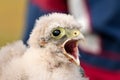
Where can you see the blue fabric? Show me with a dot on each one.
(100, 61)
(105, 18)
(33, 13)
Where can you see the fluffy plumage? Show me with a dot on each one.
(52, 52)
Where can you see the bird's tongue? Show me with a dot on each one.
(71, 48)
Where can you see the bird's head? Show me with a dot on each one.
(59, 30)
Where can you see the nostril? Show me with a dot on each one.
(75, 33)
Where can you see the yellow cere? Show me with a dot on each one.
(72, 33)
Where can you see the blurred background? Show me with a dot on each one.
(12, 20)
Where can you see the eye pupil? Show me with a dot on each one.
(56, 32)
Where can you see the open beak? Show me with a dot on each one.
(70, 50)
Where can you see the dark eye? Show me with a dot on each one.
(56, 32)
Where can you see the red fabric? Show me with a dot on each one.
(94, 73)
(52, 5)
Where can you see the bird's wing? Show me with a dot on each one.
(10, 51)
